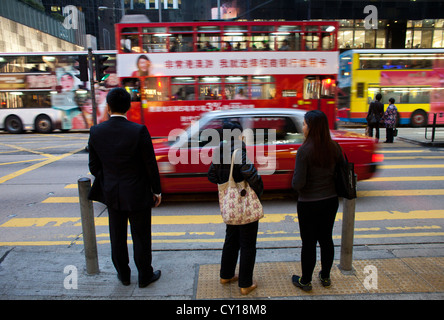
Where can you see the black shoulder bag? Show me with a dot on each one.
(345, 181)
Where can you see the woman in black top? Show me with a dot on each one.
(238, 237)
(318, 203)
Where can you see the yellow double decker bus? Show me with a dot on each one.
(413, 77)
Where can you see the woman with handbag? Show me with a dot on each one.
(313, 180)
(390, 121)
(238, 237)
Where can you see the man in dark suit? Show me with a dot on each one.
(122, 160)
(374, 115)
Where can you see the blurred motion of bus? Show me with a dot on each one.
(413, 77)
(41, 91)
(176, 71)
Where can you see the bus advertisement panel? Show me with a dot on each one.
(413, 77)
(41, 91)
(174, 78)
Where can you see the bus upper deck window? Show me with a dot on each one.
(236, 37)
(208, 38)
(311, 37)
(180, 39)
(288, 37)
(154, 42)
(130, 43)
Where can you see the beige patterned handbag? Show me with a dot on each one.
(238, 202)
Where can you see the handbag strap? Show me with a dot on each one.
(232, 165)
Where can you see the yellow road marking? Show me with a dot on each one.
(61, 200)
(26, 150)
(423, 178)
(157, 234)
(50, 159)
(22, 161)
(415, 157)
(413, 228)
(401, 193)
(411, 166)
(371, 193)
(36, 243)
(396, 215)
(404, 151)
(206, 219)
(221, 240)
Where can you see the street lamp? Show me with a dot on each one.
(103, 8)
(106, 26)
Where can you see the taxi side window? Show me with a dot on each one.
(211, 134)
(274, 130)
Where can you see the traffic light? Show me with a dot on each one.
(100, 68)
(82, 66)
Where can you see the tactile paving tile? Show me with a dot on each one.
(274, 279)
(429, 269)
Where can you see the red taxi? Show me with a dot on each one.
(273, 138)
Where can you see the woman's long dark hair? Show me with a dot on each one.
(321, 147)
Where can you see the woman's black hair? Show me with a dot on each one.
(321, 147)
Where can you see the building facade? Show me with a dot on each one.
(99, 18)
(28, 29)
(395, 24)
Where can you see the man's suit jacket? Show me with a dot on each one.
(122, 159)
(376, 108)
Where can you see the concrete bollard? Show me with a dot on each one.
(88, 226)
(348, 230)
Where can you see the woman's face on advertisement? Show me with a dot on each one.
(144, 65)
(67, 82)
(87, 107)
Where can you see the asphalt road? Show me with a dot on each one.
(39, 201)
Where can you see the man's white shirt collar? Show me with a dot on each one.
(118, 115)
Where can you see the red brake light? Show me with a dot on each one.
(377, 157)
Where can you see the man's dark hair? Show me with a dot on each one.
(379, 97)
(119, 100)
(231, 125)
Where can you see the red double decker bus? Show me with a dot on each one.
(176, 71)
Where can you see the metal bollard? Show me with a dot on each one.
(348, 226)
(88, 226)
(348, 229)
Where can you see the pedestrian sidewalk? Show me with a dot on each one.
(419, 136)
(412, 271)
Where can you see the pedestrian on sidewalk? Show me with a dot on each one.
(127, 181)
(390, 118)
(374, 116)
(238, 237)
(317, 205)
